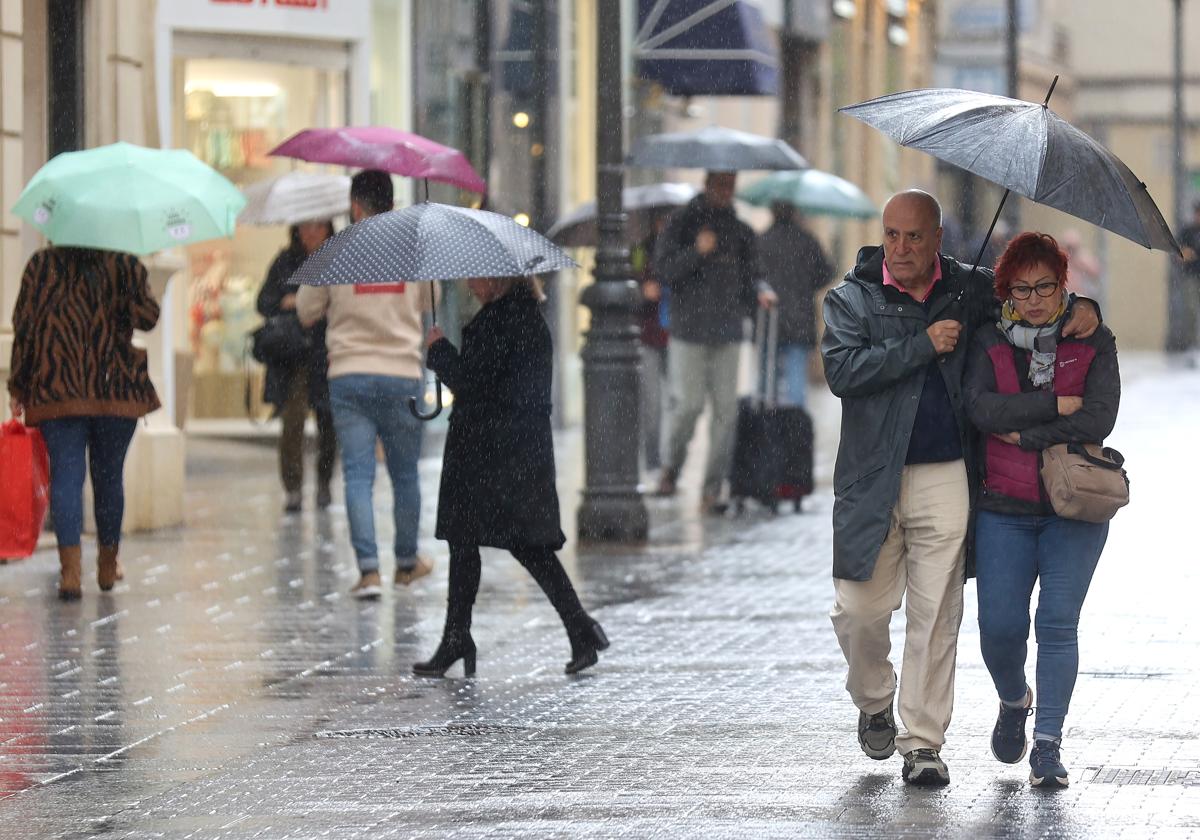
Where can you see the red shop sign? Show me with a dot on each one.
(293, 4)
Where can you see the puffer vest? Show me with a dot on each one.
(1011, 470)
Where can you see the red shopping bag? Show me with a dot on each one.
(24, 488)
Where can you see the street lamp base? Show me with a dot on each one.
(605, 517)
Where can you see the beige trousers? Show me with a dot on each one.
(921, 564)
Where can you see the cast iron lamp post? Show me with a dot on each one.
(612, 507)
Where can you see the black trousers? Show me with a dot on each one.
(541, 563)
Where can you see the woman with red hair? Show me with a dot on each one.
(1028, 388)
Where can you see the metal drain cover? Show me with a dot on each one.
(449, 730)
(1139, 776)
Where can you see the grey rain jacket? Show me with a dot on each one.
(876, 354)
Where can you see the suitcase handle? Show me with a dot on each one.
(766, 352)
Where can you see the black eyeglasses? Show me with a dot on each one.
(1043, 290)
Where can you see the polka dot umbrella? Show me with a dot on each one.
(431, 242)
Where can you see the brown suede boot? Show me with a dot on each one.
(70, 587)
(108, 568)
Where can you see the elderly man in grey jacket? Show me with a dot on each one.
(897, 331)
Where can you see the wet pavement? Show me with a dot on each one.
(230, 688)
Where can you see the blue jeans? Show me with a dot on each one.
(367, 407)
(99, 443)
(791, 374)
(1011, 554)
(792, 367)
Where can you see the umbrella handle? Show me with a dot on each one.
(416, 412)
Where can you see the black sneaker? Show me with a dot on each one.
(1046, 767)
(877, 734)
(1008, 735)
(924, 767)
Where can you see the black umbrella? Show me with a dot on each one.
(716, 149)
(431, 242)
(1027, 149)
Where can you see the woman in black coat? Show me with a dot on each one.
(295, 388)
(497, 485)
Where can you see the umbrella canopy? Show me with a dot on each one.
(379, 147)
(1026, 148)
(431, 242)
(129, 198)
(813, 191)
(296, 197)
(577, 229)
(716, 149)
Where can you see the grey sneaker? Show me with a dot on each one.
(368, 588)
(877, 734)
(924, 767)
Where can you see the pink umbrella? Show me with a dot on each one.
(379, 147)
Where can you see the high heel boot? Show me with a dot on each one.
(70, 585)
(108, 568)
(587, 640)
(455, 645)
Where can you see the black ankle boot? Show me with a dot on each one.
(454, 646)
(587, 640)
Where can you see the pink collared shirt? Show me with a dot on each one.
(888, 280)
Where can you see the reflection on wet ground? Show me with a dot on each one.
(229, 687)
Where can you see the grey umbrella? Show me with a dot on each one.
(716, 149)
(431, 242)
(1025, 148)
(577, 229)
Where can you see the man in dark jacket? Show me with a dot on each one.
(796, 268)
(894, 349)
(708, 259)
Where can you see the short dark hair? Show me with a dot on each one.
(372, 188)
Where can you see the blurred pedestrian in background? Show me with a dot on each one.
(1189, 245)
(302, 385)
(1027, 388)
(1085, 273)
(796, 267)
(498, 477)
(77, 376)
(708, 260)
(655, 339)
(374, 340)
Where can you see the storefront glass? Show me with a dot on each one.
(230, 112)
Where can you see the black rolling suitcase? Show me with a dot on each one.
(773, 450)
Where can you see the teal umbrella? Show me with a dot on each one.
(129, 198)
(812, 191)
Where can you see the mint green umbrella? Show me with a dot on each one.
(129, 198)
(812, 191)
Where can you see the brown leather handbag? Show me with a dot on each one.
(1085, 481)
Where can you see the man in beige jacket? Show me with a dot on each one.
(375, 336)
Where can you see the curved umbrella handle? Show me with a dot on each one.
(416, 412)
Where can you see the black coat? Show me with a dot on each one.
(277, 383)
(711, 296)
(796, 268)
(498, 479)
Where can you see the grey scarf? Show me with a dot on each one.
(1041, 341)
